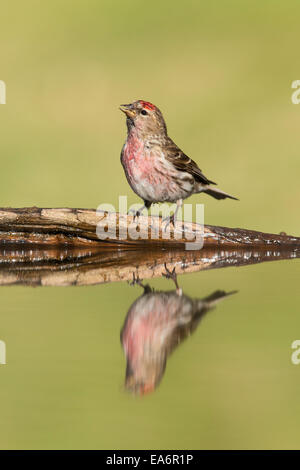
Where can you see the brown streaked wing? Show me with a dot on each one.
(183, 163)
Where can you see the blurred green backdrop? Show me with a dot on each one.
(221, 72)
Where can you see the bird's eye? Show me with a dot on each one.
(144, 112)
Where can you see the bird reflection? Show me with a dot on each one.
(156, 323)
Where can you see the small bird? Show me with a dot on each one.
(156, 169)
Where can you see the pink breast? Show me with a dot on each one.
(138, 163)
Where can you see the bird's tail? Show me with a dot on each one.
(216, 193)
(208, 303)
(216, 296)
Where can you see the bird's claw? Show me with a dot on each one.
(154, 227)
(137, 281)
(169, 220)
(135, 213)
(172, 275)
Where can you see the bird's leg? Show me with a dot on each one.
(172, 275)
(137, 213)
(172, 218)
(137, 281)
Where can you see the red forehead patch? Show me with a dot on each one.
(147, 105)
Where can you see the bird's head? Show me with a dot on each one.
(145, 118)
(144, 376)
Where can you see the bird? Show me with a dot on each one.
(155, 167)
(156, 323)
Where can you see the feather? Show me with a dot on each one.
(183, 163)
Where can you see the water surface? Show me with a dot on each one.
(218, 378)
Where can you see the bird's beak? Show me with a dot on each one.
(128, 110)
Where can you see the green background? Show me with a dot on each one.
(221, 72)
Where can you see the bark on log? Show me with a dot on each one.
(77, 227)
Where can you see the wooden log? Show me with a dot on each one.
(67, 266)
(78, 227)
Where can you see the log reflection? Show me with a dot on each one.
(65, 266)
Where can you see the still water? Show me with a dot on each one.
(118, 366)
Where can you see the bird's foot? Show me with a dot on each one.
(136, 213)
(172, 275)
(169, 220)
(137, 281)
(154, 227)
